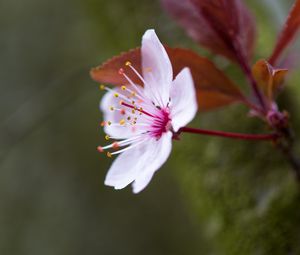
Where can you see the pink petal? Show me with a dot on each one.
(183, 99)
(139, 164)
(157, 157)
(109, 100)
(157, 68)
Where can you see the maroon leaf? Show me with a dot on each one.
(288, 32)
(226, 27)
(214, 89)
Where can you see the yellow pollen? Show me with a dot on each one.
(116, 95)
(111, 108)
(133, 111)
(123, 87)
(133, 94)
(128, 63)
(128, 118)
(133, 102)
(108, 123)
(122, 122)
(134, 122)
(107, 137)
(101, 87)
(108, 154)
(135, 118)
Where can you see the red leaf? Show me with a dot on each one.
(108, 72)
(213, 87)
(288, 32)
(225, 27)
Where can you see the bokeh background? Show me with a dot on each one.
(213, 196)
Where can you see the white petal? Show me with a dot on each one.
(157, 158)
(139, 162)
(183, 99)
(157, 68)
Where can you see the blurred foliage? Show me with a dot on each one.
(214, 196)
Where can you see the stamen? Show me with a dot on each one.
(119, 144)
(131, 82)
(134, 108)
(128, 148)
(107, 137)
(141, 78)
(108, 154)
(137, 73)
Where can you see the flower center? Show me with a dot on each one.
(161, 123)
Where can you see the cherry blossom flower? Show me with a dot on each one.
(141, 121)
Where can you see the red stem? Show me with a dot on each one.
(260, 137)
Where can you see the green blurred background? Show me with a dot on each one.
(213, 196)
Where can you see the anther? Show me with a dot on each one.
(107, 137)
(108, 154)
(111, 108)
(115, 145)
(122, 122)
(123, 112)
(116, 95)
(101, 87)
(100, 149)
(121, 71)
(129, 118)
(123, 87)
(108, 123)
(103, 124)
(128, 63)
